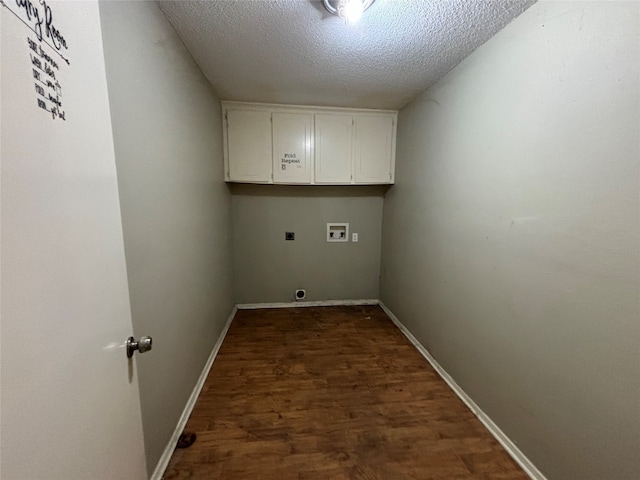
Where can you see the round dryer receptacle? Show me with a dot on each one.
(301, 294)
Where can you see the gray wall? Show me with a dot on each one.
(175, 207)
(511, 238)
(270, 269)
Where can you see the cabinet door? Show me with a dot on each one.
(373, 148)
(292, 147)
(333, 148)
(249, 146)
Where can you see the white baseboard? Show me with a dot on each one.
(186, 413)
(321, 303)
(511, 448)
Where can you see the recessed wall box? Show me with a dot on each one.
(337, 232)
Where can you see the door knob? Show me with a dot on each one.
(142, 345)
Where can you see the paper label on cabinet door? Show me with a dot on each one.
(291, 160)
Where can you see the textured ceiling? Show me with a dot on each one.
(295, 52)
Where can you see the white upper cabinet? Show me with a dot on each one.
(292, 151)
(334, 148)
(373, 147)
(248, 146)
(291, 144)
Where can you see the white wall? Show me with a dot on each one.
(175, 206)
(511, 236)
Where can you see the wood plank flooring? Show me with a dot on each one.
(331, 393)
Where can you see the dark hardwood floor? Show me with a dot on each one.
(331, 393)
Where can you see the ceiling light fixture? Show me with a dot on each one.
(349, 10)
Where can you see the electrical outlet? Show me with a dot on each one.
(354, 237)
(289, 236)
